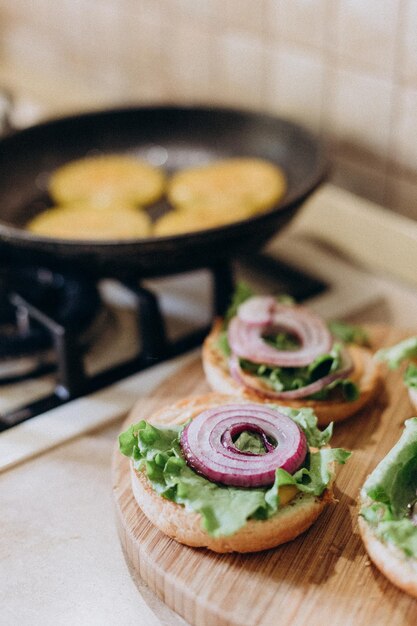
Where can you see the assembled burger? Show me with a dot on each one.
(269, 350)
(229, 474)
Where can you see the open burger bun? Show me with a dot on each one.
(184, 526)
(399, 570)
(365, 374)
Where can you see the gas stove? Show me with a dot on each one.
(127, 345)
(64, 336)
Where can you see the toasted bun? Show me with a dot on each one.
(365, 375)
(185, 526)
(412, 394)
(399, 569)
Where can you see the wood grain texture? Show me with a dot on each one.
(322, 577)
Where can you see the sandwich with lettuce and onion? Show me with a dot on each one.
(230, 475)
(269, 349)
(388, 512)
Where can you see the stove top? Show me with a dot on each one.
(338, 290)
(64, 336)
(33, 300)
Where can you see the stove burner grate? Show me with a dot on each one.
(25, 343)
(60, 329)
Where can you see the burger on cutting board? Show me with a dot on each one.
(229, 474)
(269, 349)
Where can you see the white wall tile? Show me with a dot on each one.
(366, 33)
(19, 8)
(190, 63)
(300, 21)
(294, 84)
(197, 8)
(22, 46)
(146, 55)
(238, 70)
(245, 15)
(100, 33)
(358, 111)
(225, 15)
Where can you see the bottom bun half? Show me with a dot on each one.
(366, 375)
(184, 526)
(395, 566)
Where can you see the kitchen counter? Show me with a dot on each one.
(62, 562)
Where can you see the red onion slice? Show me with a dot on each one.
(252, 382)
(246, 340)
(257, 311)
(207, 444)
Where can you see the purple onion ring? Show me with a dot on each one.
(208, 447)
(258, 310)
(262, 315)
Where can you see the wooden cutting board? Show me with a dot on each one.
(323, 577)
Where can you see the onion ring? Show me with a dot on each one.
(208, 447)
(246, 340)
(257, 310)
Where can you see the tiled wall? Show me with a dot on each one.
(345, 68)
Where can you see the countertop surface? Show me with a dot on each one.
(61, 559)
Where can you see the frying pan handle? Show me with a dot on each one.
(6, 108)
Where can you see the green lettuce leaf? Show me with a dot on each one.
(402, 533)
(290, 378)
(395, 355)
(250, 442)
(307, 421)
(392, 488)
(223, 344)
(282, 341)
(410, 376)
(349, 333)
(242, 292)
(223, 509)
(312, 480)
(348, 390)
(394, 481)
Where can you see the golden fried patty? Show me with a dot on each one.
(81, 221)
(201, 217)
(254, 182)
(106, 178)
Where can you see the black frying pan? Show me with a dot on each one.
(176, 137)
